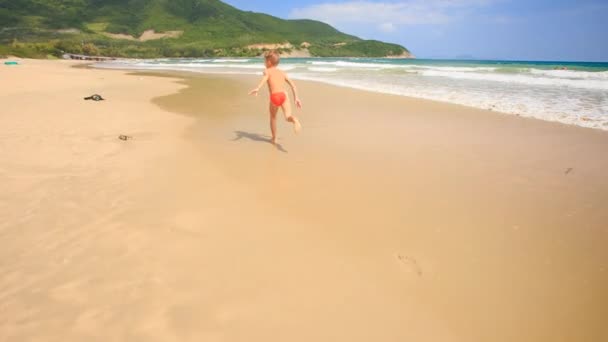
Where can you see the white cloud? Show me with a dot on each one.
(387, 27)
(388, 15)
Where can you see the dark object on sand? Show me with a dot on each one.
(87, 58)
(125, 137)
(568, 171)
(95, 97)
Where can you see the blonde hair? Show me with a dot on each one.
(273, 57)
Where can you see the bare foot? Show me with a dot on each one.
(273, 140)
(297, 127)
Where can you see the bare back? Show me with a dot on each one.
(276, 80)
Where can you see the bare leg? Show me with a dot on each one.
(289, 117)
(273, 121)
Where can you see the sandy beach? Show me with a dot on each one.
(388, 219)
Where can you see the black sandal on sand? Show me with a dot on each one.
(95, 97)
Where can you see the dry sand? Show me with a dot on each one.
(388, 219)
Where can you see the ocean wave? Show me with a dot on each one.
(180, 67)
(165, 61)
(363, 65)
(454, 69)
(535, 103)
(572, 96)
(228, 60)
(521, 79)
(357, 65)
(572, 74)
(200, 66)
(322, 69)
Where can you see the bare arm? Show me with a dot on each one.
(294, 89)
(257, 89)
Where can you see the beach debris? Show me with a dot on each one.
(125, 137)
(11, 63)
(95, 97)
(410, 263)
(568, 170)
(87, 58)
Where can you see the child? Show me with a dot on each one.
(278, 96)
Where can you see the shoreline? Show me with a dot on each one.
(388, 218)
(186, 75)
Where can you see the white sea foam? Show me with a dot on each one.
(454, 69)
(521, 79)
(228, 60)
(322, 69)
(346, 64)
(572, 74)
(362, 65)
(215, 65)
(577, 109)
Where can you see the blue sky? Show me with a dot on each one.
(492, 29)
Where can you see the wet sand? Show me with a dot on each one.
(387, 219)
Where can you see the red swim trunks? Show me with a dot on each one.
(278, 99)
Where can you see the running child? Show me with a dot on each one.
(276, 80)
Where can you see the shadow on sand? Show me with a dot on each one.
(257, 137)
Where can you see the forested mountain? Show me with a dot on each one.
(169, 28)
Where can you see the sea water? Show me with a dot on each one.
(569, 92)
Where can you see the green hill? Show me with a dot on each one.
(192, 28)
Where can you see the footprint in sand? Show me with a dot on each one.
(409, 264)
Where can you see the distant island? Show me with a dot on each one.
(169, 28)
